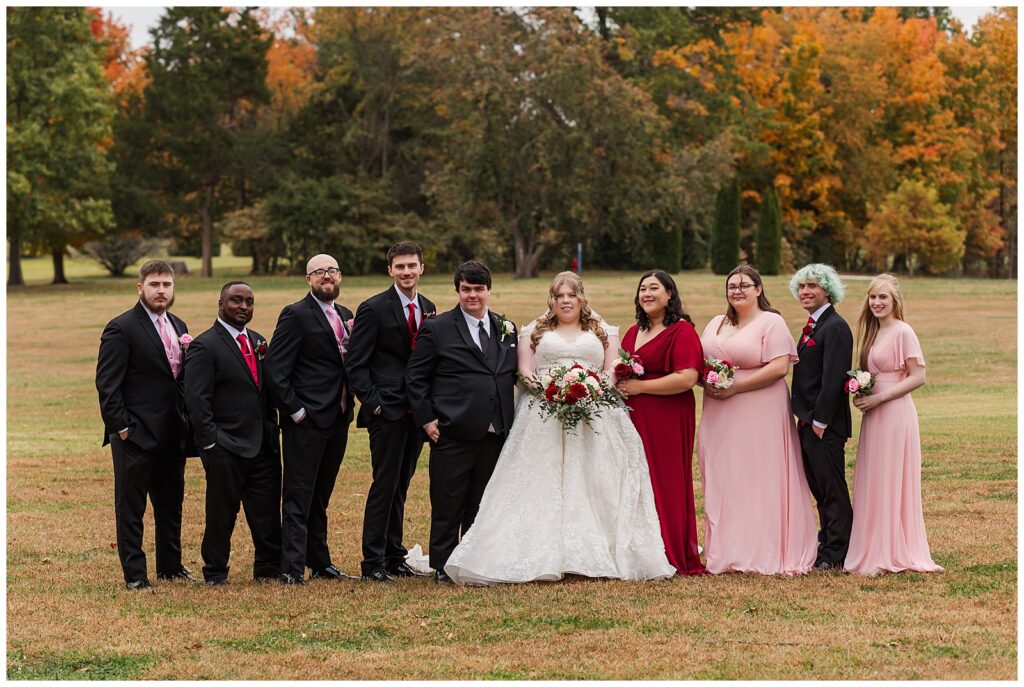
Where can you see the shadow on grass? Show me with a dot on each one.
(74, 665)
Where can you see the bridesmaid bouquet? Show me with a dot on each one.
(571, 395)
(629, 365)
(860, 383)
(718, 373)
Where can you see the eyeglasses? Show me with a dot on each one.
(743, 286)
(333, 271)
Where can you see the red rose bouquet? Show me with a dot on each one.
(629, 366)
(572, 394)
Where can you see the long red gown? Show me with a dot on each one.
(666, 426)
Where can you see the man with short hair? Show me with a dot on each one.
(460, 381)
(236, 430)
(307, 376)
(383, 336)
(139, 380)
(820, 403)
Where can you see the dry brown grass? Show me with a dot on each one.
(69, 617)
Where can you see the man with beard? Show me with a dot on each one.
(307, 376)
(139, 380)
(235, 427)
(382, 340)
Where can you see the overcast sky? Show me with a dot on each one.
(141, 19)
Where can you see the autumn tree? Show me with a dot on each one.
(58, 128)
(207, 72)
(913, 228)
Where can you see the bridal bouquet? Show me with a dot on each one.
(860, 383)
(718, 373)
(572, 394)
(629, 366)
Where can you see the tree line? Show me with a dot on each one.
(878, 138)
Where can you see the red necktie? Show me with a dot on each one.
(413, 329)
(808, 330)
(250, 359)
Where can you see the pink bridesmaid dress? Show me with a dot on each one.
(888, 522)
(756, 501)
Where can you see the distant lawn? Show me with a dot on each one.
(69, 617)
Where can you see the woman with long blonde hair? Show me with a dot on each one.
(559, 502)
(888, 522)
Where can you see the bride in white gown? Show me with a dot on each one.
(562, 503)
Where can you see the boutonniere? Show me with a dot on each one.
(430, 315)
(805, 333)
(261, 348)
(184, 340)
(505, 326)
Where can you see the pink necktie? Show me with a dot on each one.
(341, 335)
(173, 354)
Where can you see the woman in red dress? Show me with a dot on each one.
(664, 409)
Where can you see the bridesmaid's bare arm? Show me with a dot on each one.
(611, 355)
(675, 383)
(915, 380)
(525, 357)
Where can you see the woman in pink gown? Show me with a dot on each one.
(888, 523)
(756, 501)
(664, 410)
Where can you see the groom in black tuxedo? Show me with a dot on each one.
(460, 381)
(820, 403)
(139, 379)
(383, 337)
(236, 430)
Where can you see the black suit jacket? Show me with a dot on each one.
(305, 367)
(447, 378)
(135, 384)
(225, 405)
(378, 353)
(819, 376)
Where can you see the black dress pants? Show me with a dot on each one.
(233, 481)
(395, 447)
(825, 467)
(312, 458)
(161, 476)
(459, 472)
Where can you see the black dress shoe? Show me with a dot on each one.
(822, 564)
(285, 578)
(217, 582)
(329, 573)
(379, 576)
(183, 574)
(403, 570)
(138, 584)
(441, 577)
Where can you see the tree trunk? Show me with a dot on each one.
(58, 267)
(527, 255)
(15, 277)
(204, 213)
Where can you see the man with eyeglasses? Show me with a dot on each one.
(306, 370)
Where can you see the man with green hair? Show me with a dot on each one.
(822, 409)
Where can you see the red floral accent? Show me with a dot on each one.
(577, 391)
(622, 371)
(551, 392)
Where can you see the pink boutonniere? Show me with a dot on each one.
(184, 340)
(351, 323)
(261, 348)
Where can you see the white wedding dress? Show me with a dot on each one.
(561, 503)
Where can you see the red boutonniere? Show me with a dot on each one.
(805, 333)
(261, 348)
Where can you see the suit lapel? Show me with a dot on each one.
(401, 318)
(463, 327)
(236, 351)
(321, 317)
(822, 319)
(150, 329)
(498, 337)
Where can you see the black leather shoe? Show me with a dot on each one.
(379, 576)
(285, 578)
(183, 574)
(329, 573)
(822, 564)
(403, 570)
(138, 584)
(441, 577)
(217, 582)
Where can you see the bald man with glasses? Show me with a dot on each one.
(307, 375)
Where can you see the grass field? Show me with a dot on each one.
(68, 615)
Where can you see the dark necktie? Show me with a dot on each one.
(484, 339)
(413, 329)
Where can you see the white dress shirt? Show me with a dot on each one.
(405, 306)
(474, 326)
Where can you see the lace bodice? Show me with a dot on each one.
(554, 351)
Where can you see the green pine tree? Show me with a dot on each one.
(769, 234)
(725, 237)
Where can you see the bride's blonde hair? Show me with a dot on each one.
(549, 320)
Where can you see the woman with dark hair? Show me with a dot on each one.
(756, 501)
(664, 409)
